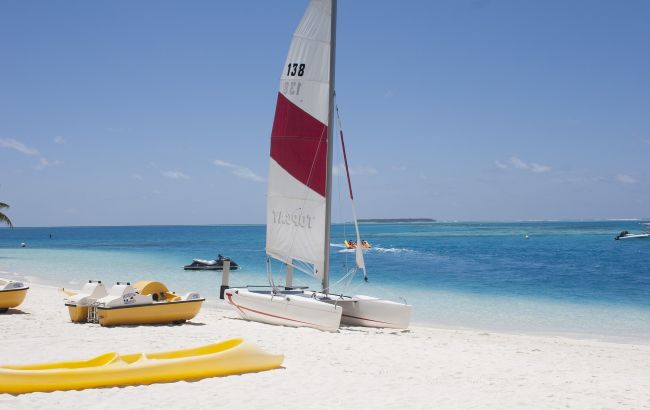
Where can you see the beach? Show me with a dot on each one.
(422, 367)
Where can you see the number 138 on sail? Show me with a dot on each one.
(294, 69)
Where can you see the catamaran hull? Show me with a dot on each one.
(285, 310)
(11, 298)
(372, 312)
(110, 369)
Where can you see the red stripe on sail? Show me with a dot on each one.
(299, 144)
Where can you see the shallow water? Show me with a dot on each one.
(567, 277)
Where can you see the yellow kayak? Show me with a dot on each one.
(232, 356)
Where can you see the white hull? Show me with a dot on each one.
(285, 309)
(368, 311)
(372, 312)
(636, 236)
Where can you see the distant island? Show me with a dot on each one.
(396, 220)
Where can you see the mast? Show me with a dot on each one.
(330, 144)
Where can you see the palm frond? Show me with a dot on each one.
(3, 205)
(4, 219)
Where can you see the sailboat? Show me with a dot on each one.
(300, 193)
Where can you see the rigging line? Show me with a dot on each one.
(269, 274)
(340, 206)
(389, 292)
(345, 157)
(359, 252)
(350, 273)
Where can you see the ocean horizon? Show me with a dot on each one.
(551, 277)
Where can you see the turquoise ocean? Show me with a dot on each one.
(566, 278)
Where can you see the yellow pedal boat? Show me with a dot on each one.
(144, 303)
(232, 356)
(12, 294)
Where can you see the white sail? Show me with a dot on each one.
(296, 206)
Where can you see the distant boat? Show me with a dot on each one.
(300, 193)
(353, 245)
(627, 235)
(217, 264)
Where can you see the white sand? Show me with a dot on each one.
(356, 368)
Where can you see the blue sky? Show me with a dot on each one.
(159, 112)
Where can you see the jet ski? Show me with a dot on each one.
(217, 264)
(627, 235)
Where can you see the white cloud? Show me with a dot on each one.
(18, 146)
(29, 151)
(626, 179)
(388, 94)
(59, 140)
(238, 170)
(539, 168)
(44, 162)
(137, 176)
(518, 163)
(175, 175)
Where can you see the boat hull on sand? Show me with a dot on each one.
(157, 313)
(11, 298)
(368, 311)
(287, 309)
(146, 303)
(111, 369)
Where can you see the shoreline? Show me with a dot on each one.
(220, 305)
